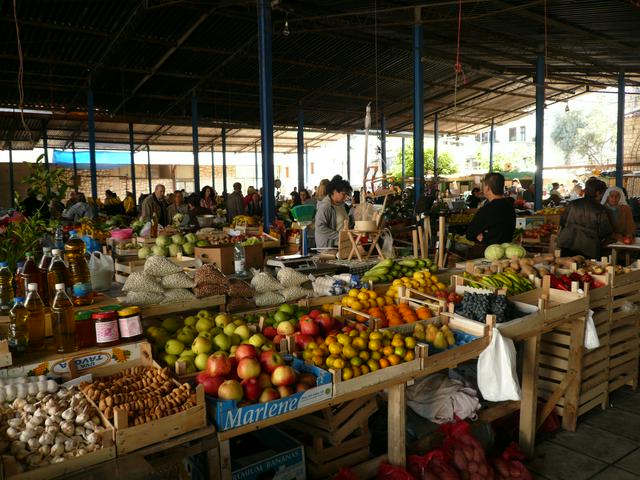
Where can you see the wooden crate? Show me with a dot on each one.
(624, 353)
(336, 437)
(124, 268)
(128, 438)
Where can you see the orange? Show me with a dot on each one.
(410, 355)
(388, 350)
(384, 363)
(423, 313)
(394, 359)
(395, 322)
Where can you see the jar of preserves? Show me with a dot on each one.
(130, 323)
(85, 330)
(106, 327)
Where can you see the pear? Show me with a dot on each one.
(451, 339)
(432, 331)
(440, 342)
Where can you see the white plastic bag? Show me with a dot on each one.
(102, 269)
(497, 378)
(591, 339)
(387, 245)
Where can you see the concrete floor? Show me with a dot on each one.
(606, 445)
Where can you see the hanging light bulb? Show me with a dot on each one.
(285, 30)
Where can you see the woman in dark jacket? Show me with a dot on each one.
(585, 223)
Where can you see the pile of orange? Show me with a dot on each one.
(394, 315)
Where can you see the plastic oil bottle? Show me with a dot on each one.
(20, 289)
(35, 317)
(74, 250)
(62, 321)
(6, 289)
(18, 337)
(45, 261)
(32, 274)
(58, 273)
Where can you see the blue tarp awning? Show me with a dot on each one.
(104, 160)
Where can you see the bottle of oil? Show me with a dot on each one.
(62, 321)
(18, 331)
(32, 274)
(35, 317)
(6, 289)
(79, 275)
(154, 226)
(45, 261)
(20, 290)
(58, 273)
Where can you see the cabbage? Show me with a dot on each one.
(144, 252)
(177, 218)
(493, 252)
(506, 245)
(188, 248)
(163, 241)
(159, 250)
(178, 239)
(191, 237)
(515, 251)
(174, 249)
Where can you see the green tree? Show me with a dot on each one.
(587, 135)
(446, 164)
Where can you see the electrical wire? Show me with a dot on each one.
(21, 74)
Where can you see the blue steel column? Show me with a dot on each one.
(75, 167)
(12, 193)
(266, 111)
(383, 143)
(149, 169)
(418, 109)
(301, 162)
(92, 145)
(133, 163)
(491, 134)
(348, 156)
(539, 129)
(436, 134)
(45, 144)
(213, 168)
(620, 136)
(196, 148)
(224, 161)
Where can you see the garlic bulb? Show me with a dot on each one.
(10, 392)
(52, 386)
(32, 389)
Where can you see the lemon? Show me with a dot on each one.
(363, 296)
(353, 292)
(434, 279)
(335, 348)
(418, 275)
(356, 305)
(373, 295)
(397, 282)
(441, 286)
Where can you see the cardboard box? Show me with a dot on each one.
(221, 256)
(268, 453)
(253, 256)
(531, 221)
(226, 414)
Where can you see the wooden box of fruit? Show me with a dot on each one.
(143, 404)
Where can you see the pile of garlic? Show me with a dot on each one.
(50, 425)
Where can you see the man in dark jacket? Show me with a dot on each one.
(495, 222)
(585, 223)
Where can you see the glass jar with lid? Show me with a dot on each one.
(130, 323)
(85, 330)
(106, 327)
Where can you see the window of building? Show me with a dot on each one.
(523, 134)
(485, 137)
(478, 137)
(513, 134)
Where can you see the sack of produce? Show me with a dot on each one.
(240, 303)
(160, 266)
(208, 274)
(178, 295)
(263, 282)
(289, 277)
(143, 298)
(294, 293)
(210, 290)
(268, 299)
(102, 269)
(240, 289)
(177, 280)
(432, 465)
(468, 455)
(140, 282)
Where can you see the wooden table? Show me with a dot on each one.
(626, 249)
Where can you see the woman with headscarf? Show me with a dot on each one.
(621, 215)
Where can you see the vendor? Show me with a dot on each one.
(79, 210)
(495, 222)
(331, 213)
(474, 199)
(195, 210)
(585, 223)
(178, 206)
(620, 213)
(155, 204)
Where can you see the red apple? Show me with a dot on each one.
(314, 313)
(270, 360)
(308, 326)
(264, 380)
(248, 368)
(218, 365)
(251, 388)
(285, 391)
(230, 390)
(325, 321)
(302, 387)
(212, 384)
(302, 340)
(628, 240)
(233, 374)
(269, 332)
(246, 350)
(283, 375)
(268, 395)
(277, 339)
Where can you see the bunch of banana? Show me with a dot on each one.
(514, 284)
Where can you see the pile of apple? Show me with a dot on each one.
(193, 339)
(252, 376)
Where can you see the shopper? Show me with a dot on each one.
(474, 199)
(495, 222)
(295, 199)
(195, 210)
(80, 209)
(529, 195)
(305, 198)
(585, 224)
(554, 195)
(155, 204)
(255, 205)
(321, 192)
(248, 197)
(620, 213)
(331, 213)
(178, 206)
(235, 202)
(207, 199)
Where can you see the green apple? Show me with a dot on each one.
(222, 341)
(222, 319)
(185, 336)
(232, 350)
(161, 338)
(203, 314)
(203, 324)
(206, 335)
(190, 320)
(201, 361)
(257, 340)
(235, 339)
(174, 347)
(170, 360)
(238, 321)
(229, 329)
(171, 324)
(215, 331)
(243, 331)
(187, 353)
(152, 331)
(201, 345)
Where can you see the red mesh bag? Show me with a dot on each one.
(468, 455)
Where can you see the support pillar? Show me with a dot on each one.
(75, 167)
(12, 192)
(213, 168)
(300, 149)
(539, 129)
(224, 162)
(92, 145)
(149, 170)
(266, 112)
(418, 109)
(383, 143)
(491, 140)
(132, 153)
(196, 147)
(436, 134)
(348, 156)
(620, 134)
